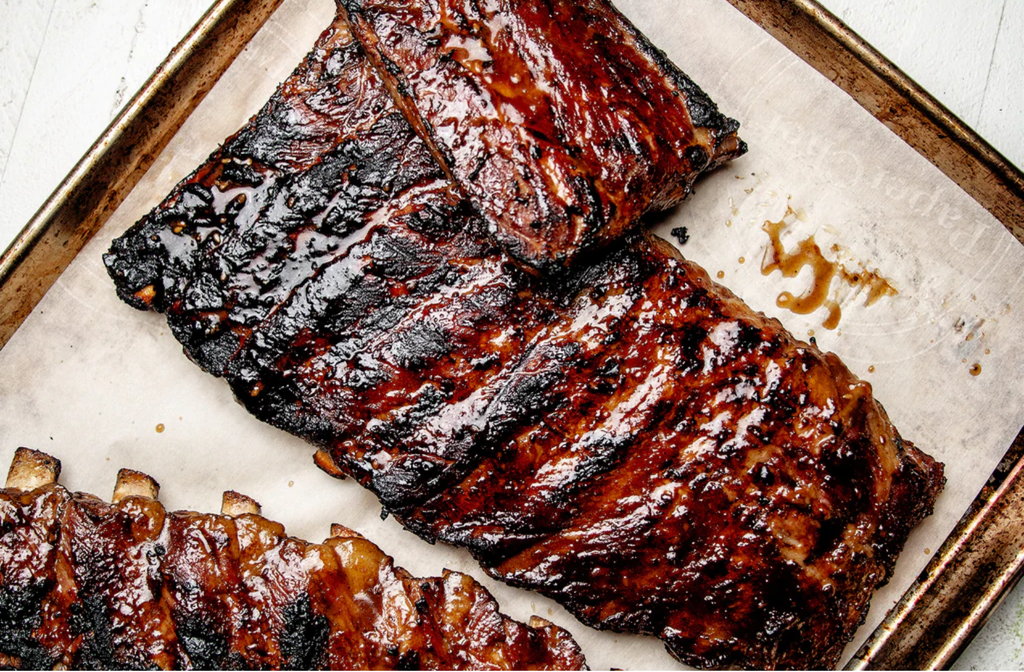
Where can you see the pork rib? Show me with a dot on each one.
(87, 584)
(558, 119)
(628, 438)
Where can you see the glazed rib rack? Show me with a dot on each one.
(559, 121)
(627, 437)
(90, 584)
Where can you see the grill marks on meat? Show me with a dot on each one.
(669, 463)
(558, 119)
(88, 584)
(628, 438)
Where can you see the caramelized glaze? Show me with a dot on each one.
(558, 119)
(85, 584)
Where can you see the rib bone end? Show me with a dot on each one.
(326, 463)
(134, 484)
(342, 532)
(237, 504)
(31, 469)
(539, 623)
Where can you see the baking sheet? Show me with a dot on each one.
(91, 381)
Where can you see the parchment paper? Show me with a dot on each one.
(90, 380)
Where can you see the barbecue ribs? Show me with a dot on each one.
(558, 119)
(89, 585)
(628, 438)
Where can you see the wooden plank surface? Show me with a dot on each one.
(67, 66)
(968, 54)
(89, 57)
(19, 51)
(948, 57)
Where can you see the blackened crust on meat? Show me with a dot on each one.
(646, 470)
(627, 437)
(295, 158)
(28, 578)
(304, 636)
(703, 111)
(558, 119)
(285, 197)
(20, 615)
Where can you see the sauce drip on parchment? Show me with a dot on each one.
(807, 254)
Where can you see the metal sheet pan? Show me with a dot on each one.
(979, 562)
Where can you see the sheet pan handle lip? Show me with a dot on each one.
(105, 175)
(822, 40)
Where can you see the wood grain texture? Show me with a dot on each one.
(19, 51)
(903, 32)
(1001, 117)
(95, 54)
(966, 54)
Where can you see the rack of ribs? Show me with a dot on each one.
(88, 584)
(628, 437)
(560, 122)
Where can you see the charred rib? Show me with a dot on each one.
(558, 119)
(89, 585)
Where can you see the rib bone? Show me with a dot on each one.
(31, 469)
(236, 504)
(88, 585)
(131, 483)
(339, 531)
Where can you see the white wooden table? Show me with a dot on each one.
(67, 67)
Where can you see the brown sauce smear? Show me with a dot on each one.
(809, 254)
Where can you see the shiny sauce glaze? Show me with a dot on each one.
(560, 122)
(675, 464)
(283, 198)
